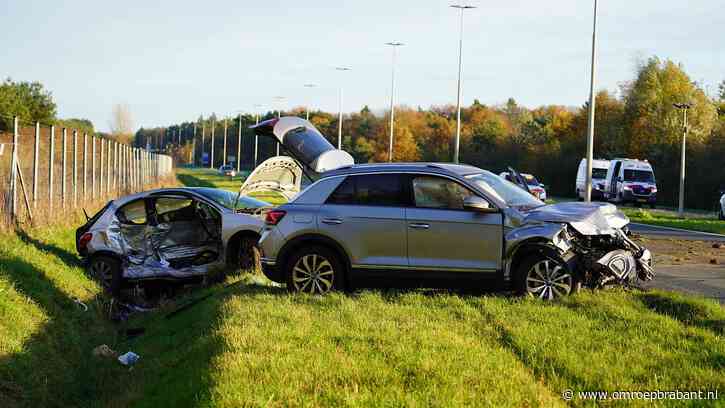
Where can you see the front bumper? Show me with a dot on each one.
(629, 196)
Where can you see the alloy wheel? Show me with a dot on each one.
(313, 273)
(548, 280)
(102, 271)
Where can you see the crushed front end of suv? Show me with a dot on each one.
(435, 225)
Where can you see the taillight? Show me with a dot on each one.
(85, 239)
(274, 217)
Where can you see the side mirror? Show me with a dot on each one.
(478, 204)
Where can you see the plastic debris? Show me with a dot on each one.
(129, 358)
(104, 351)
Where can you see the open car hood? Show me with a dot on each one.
(586, 218)
(280, 174)
(304, 143)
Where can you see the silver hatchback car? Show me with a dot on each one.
(435, 225)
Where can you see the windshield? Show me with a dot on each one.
(530, 180)
(504, 190)
(643, 176)
(599, 173)
(226, 199)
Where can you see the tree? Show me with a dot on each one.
(121, 121)
(27, 100)
(649, 112)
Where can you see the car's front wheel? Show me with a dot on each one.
(545, 277)
(314, 270)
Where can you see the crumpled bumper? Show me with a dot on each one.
(624, 265)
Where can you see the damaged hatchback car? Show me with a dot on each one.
(435, 225)
(170, 234)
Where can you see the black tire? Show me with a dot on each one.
(557, 282)
(250, 257)
(107, 271)
(314, 269)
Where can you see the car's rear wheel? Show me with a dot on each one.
(106, 270)
(545, 278)
(314, 270)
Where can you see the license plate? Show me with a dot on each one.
(642, 200)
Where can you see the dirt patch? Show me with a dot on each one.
(669, 251)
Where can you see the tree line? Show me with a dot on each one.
(548, 141)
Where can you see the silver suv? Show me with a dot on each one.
(435, 225)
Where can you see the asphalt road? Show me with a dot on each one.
(675, 233)
(703, 280)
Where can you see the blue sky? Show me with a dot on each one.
(173, 60)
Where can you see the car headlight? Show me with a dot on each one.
(626, 188)
(653, 189)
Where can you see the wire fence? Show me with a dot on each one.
(53, 170)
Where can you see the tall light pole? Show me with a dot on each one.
(592, 106)
(307, 114)
(339, 120)
(394, 45)
(239, 142)
(256, 137)
(279, 99)
(456, 147)
(684, 107)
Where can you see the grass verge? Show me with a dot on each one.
(702, 224)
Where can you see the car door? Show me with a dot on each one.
(443, 236)
(365, 215)
(134, 230)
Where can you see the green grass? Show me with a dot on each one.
(248, 343)
(196, 177)
(667, 219)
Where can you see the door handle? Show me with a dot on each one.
(332, 221)
(419, 225)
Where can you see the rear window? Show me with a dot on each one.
(308, 144)
(371, 189)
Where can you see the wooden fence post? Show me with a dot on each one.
(63, 168)
(101, 171)
(36, 151)
(211, 160)
(224, 151)
(108, 169)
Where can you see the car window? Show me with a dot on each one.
(438, 192)
(133, 213)
(599, 173)
(369, 189)
(639, 175)
(170, 209)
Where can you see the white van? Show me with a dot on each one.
(631, 181)
(599, 175)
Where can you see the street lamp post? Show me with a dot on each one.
(394, 45)
(256, 137)
(592, 106)
(339, 120)
(239, 144)
(684, 107)
(307, 114)
(457, 144)
(279, 113)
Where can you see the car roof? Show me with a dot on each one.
(128, 198)
(440, 168)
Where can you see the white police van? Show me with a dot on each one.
(631, 181)
(599, 175)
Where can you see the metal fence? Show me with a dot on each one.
(54, 170)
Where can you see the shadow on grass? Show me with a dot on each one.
(55, 366)
(688, 312)
(67, 257)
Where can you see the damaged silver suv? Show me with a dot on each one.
(435, 225)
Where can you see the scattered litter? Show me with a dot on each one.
(713, 261)
(129, 358)
(80, 303)
(104, 351)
